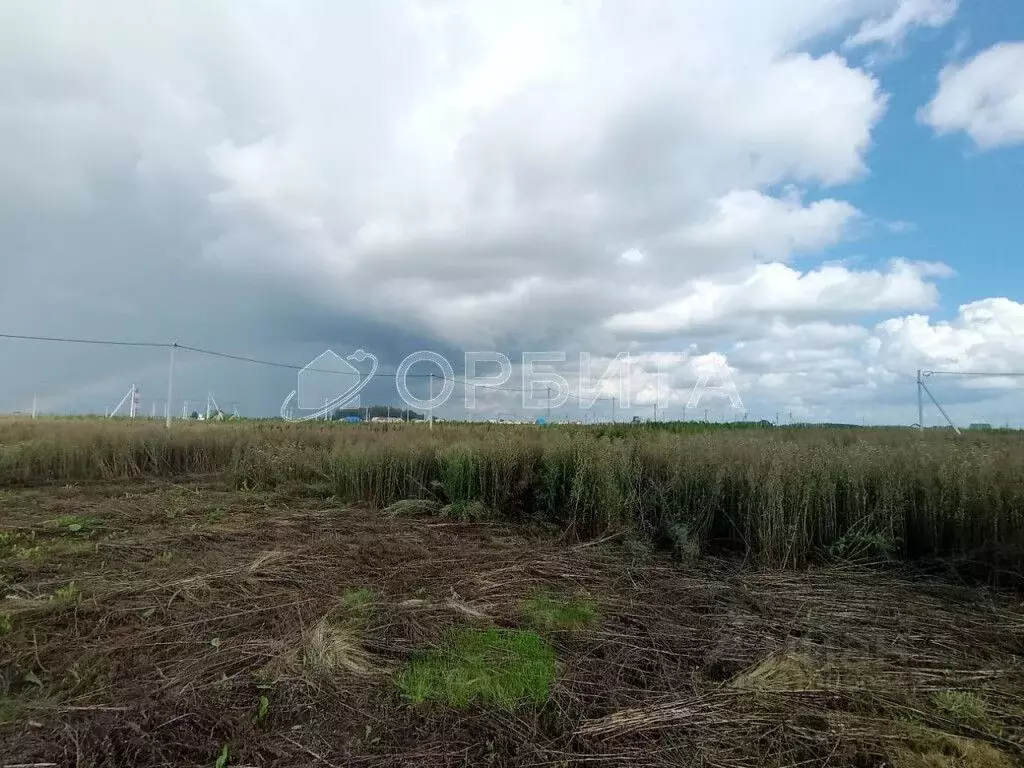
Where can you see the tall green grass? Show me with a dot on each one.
(781, 496)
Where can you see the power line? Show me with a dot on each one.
(100, 342)
(970, 373)
(289, 366)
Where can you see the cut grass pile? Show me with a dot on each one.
(337, 643)
(782, 497)
(506, 668)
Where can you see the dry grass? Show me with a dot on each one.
(781, 496)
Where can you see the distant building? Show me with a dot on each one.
(981, 425)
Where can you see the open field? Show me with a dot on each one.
(154, 623)
(246, 595)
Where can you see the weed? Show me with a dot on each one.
(685, 544)
(68, 593)
(20, 545)
(215, 515)
(6, 625)
(467, 511)
(861, 546)
(503, 668)
(552, 612)
(412, 508)
(166, 557)
(640, 550)
(262, 711)
(222, 758)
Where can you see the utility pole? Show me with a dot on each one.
(33, 405)
(431, 401)
(170, 385)
(655, 411)
(706, 415)
(549, 404)
(613, 409)
(920, 403)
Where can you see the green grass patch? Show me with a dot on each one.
(497, 667)
(553, 612)
(78, 524)
(359, 599)
(6, 625)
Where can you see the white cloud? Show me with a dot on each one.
(983, 97)
(749, 224)
(986, 335)
(892, 29)
(771, 290)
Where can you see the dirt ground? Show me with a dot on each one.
(156, 623)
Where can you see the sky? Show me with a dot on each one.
(812, 199)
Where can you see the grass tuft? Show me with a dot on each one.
(966, 708)
(497, 667)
